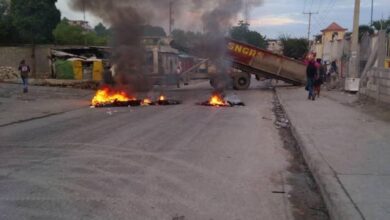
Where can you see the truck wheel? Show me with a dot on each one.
(242, 81)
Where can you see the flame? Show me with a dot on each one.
(109, 96)
(217, 100)
(162, 98)
(147, 101)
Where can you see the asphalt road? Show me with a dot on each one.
(174, 162)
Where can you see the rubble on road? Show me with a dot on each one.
(281, 118)
(7, 72)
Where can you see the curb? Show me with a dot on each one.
(339, 204)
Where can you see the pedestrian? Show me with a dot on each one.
(319, 77)
(24, 70)
(179, 70)
(332, 75)
(334, 67)
(311, 72)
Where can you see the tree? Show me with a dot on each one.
(365, 29)
(294, 47)
(242, 33)
(102, 31)
(4, 7)
(154, 31)
(67, 34)
(35, 19)
(383, 24)
(8, 34)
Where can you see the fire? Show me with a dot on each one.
(217, 100)
(147, 101)
(108, 96)
(162, 98)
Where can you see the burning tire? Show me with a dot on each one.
(241, 81)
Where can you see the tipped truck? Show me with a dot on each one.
(263, 64)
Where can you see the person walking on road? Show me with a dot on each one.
(24, 70)
(311, 72)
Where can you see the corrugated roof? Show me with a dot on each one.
(334, 27)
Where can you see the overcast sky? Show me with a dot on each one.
(278, 17)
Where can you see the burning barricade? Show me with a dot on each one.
(111, 97)
(219, 100)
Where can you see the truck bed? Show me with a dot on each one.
(262, 62)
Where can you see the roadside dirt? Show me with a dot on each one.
(305, 196)
(369, 106)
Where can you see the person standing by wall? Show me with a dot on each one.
(335, 67)
(24, 70)
(179, 70)
(311, 72)
(319, 77)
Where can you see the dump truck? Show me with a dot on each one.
(248, 60)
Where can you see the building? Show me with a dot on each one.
(161, 58)
(333, 44)
(329, 45)
(83, 24)
(275, 46)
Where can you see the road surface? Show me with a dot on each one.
(173, 162)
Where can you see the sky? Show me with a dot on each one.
(285, 17)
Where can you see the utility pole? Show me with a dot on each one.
(246, 12)
(372, 12)
(309, 28)
(85, 20)
(352, 81)
(171, 19)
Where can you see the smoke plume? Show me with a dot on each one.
(126, 18)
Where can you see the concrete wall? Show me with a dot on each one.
(327, 36)
(378, 85)
(11, 57)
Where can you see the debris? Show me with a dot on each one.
(266, 118)
(179, 217)
(281, 118)
(8, 73)
(234, 100)
(168, 102)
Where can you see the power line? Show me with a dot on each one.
(171, 19)
(325, 15)
(310, 13)
(311, 5)
(320, 6)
